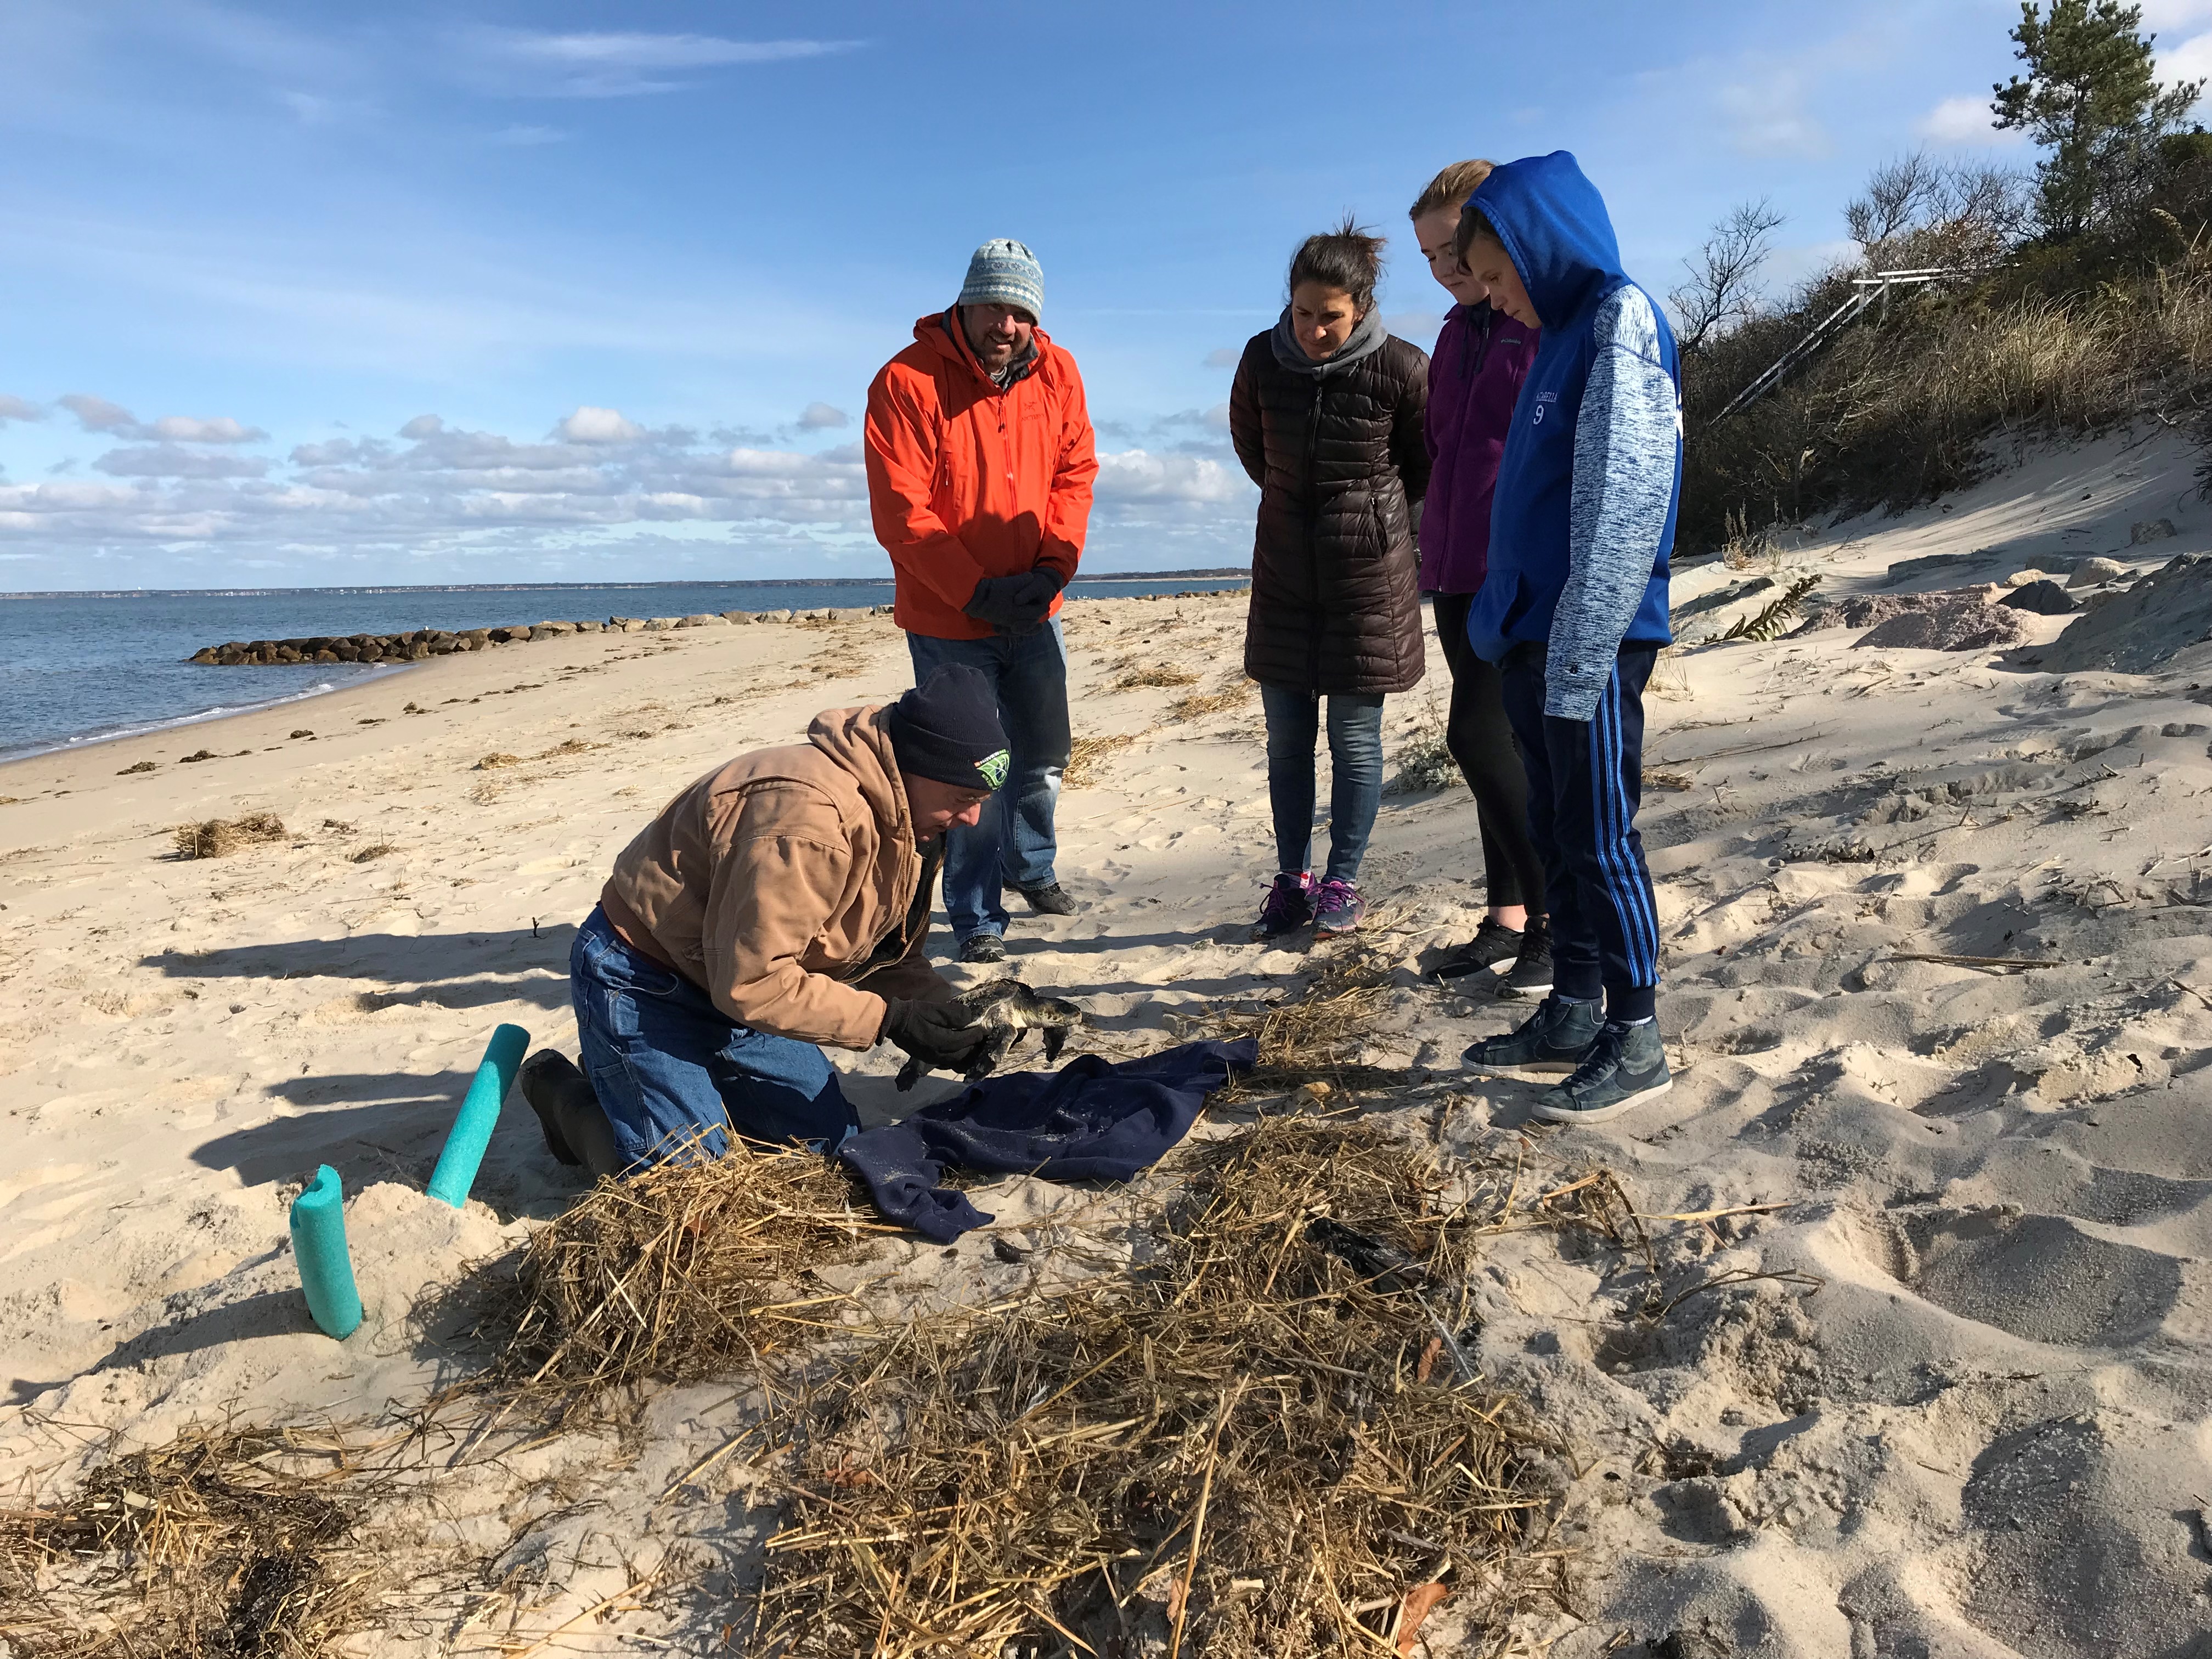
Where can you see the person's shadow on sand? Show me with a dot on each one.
(451, 970)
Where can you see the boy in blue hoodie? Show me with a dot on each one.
(1574, 608)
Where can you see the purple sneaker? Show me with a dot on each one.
(1289, 906)
(1337, 909)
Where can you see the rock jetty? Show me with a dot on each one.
(423, 643)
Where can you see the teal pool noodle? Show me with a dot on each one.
(479, 1115)
(318, 1245)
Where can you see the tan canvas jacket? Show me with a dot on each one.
(773, 881)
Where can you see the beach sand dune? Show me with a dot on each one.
(1931, 1198)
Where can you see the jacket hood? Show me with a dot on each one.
(860, 741)
(1557, 232)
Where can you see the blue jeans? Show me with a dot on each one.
(1014, 845)
(1355, 753)
(668, 1066)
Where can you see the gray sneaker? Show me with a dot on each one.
(1554, 1038)
(1624, 1068)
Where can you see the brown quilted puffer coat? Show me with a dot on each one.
(1342, 466)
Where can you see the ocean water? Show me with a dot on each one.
(85, 668)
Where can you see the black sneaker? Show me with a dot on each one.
(1624, 1068)
(1051, 899)
(1556, 1038)
(983, 947)
(1494, 944)
(1531, 974)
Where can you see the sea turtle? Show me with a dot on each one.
(1009, 1009)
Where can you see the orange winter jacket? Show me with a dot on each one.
(967, 481)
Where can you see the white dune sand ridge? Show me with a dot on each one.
(1938, 992)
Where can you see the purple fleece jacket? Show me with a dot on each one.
(1482, 356)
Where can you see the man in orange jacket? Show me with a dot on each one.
(981, 460)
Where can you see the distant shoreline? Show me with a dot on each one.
(884, 581)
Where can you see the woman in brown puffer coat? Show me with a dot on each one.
(1325, 415)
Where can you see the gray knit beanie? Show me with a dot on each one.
(1004, 273)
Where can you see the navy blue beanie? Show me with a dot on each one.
(947, 729)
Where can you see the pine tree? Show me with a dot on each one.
(2090, 97)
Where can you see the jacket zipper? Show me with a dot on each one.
(1313, 511)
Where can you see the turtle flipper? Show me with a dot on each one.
(909, 1073)
(1055, 1039)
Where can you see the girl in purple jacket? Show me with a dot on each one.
(1474, 375)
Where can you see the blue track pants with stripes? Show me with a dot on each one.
(1585, 781)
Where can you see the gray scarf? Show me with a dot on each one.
(1367, 337)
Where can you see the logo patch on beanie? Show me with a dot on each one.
(993, 768)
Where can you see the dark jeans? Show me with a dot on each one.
(1014, 844)
(668, 1066)
(1355, 753)
(1481, 742)
(1585, 782)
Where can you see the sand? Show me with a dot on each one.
(1938, 991)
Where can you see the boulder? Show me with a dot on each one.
(704, 619)
(552, 630)
(207, 654)
(662, 624)
(589, 627)
(2043, 597)
(2150, 530)
(737, 617)
(326, 656)
(2090, 572)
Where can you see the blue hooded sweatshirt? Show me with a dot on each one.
(1583, 518)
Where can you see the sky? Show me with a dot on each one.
(318, 295)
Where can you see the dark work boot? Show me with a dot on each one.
(575, 1125)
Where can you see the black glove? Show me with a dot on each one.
(993, 600)
(943, 1034)
(1027, 600)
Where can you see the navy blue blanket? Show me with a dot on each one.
(1091, 1120)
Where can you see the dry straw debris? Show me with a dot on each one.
(688, 1270)
(225, 1541)
(1153, 674)
(1083, 758)
(215, 838)
(1199, 705)
(1267, 1443)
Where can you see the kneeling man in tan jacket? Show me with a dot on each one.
(779, 903)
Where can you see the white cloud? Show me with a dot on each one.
(1223, 357)
(18, 409)
(98, 415)
(206, 429)
(1138, 475)
(2190, 60)
(590, 425)
(174, 461)
(1964, 121)
(1770, 116)
(2175, 14)
(1413, 325)
(423, 426)
(817, 417)
(621, 63)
